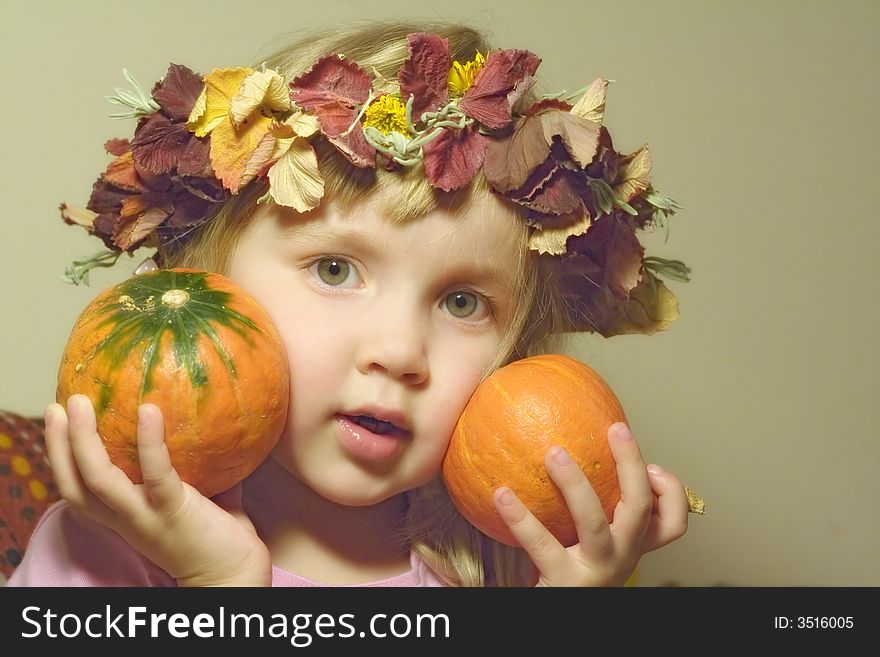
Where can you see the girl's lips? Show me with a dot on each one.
(363, 443)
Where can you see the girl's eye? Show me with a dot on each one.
(333, 271)
(463, 304)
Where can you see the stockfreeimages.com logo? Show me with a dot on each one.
(300, 629)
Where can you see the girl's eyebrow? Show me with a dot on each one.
(323, 234)
(329, 237)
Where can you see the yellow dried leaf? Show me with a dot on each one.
(591, 105)
(232, 148)
(221, 85)
(552, 240)
(633, 174)
(651, 307)
(302, 124)
(294, 180)
(265, 89)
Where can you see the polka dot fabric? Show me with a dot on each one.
(26, 485)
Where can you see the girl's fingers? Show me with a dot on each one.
(108, 483)
(636, 500)
(64, 470)
(543, 549)
(670, 518)
(161, 481)
(589, 517)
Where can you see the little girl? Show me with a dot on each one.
(412, 216)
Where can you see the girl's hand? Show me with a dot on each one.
(606, 554)
(200, 542)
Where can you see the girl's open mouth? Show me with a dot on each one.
(368, 438)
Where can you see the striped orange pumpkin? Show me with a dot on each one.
(509, 423)
(201, 349)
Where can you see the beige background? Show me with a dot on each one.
(762, 119)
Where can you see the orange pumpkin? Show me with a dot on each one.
(509, 423)
(201, 349)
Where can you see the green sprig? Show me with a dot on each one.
(78, 271)
(140, 102)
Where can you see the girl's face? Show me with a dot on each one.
(392, 321)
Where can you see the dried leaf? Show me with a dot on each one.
(487, 99)
(261, 155)
(302, 124)
(294, 180)
(633, 174)
(76, 216)
(195, 159)
(106, 198)
(133, 230)
(580, 136)
(117, 147)
(221, 86)
(511, 160)
(335, 119)
(232, 148)
(453, 158)
(122, 174)
(552, 239)
(560, 193)
(611, 243)
(331, 79)
(260, 89)
(159, 143)
(651, 307)
(178, 92)
(591, 105)
(425, 73)
(545, 105)
(198, 110)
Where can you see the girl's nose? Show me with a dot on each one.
(395, 347)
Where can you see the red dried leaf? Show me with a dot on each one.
(611, 243)
(560, 193)
(117, 147)
(104, 227)
(425, 73)
(335, 118)
(453, 158)
(195, 158)
(547, 104)
(106, 198)
(511, 160)
(158, 144)
(331, 79)
(487, 100)
(356, 149)
(178, 91)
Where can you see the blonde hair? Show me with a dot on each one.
(433, 527)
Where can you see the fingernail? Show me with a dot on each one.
(655, 470)
(621, 432)
(72, 407)
(559, 456)
(505, 496)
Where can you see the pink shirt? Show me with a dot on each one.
(68, 549)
